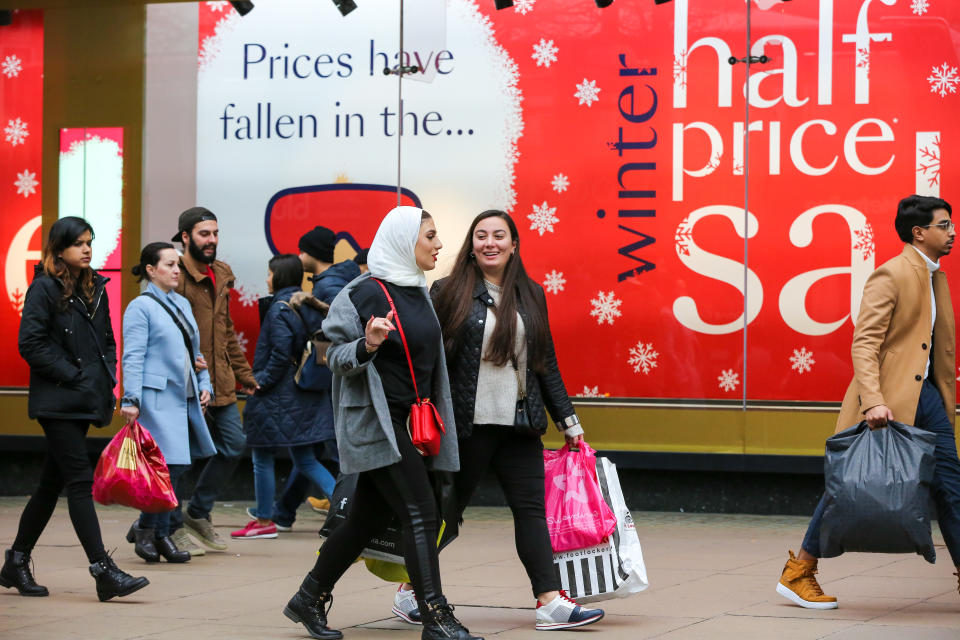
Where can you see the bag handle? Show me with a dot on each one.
(186, 339)
(403, 338)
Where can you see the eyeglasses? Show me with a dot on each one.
(946, 225)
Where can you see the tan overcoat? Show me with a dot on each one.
(891, 342)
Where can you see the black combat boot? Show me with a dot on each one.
(310, 607)
(144, 545)
(112, 582)
(169, 551)
(16, 573)
(439, 623)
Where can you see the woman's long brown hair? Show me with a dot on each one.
(454, 302)
(63, 234)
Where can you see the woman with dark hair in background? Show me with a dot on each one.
(281, 414)
(162, 387)
(67, 339)
(499, 347)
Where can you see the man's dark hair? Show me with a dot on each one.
(287, 271)
(917, 211)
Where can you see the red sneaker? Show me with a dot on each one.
(254, 530)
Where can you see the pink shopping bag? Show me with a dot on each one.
(577, 515)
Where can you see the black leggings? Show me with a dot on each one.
(403, 489)
(66, 465)
(517, 460)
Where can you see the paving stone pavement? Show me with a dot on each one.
(712, 576)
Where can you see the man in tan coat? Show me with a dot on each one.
(905, 370)
(206, 282)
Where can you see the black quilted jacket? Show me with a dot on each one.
(544, 391)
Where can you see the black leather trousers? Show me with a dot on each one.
(403, 489)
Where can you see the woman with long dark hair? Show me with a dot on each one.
(67, 339)
(163, 387)
(373, 390)
(499, 348)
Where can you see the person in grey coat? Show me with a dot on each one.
(372, 395)
(162, 387)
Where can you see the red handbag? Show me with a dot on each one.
(425, 425)
(133, 472)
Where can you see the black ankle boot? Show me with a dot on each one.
(16, 573)
(112, 582)
(144, 547)
(169, 551)
(439, 623)
(310, 607)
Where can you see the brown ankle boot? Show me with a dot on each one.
(798, 584)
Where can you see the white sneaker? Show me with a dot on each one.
(564, 613)
(280, 527)
(405, 606)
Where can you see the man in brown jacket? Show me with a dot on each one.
(905, 370)
(206, 283)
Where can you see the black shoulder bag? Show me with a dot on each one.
(183, 331)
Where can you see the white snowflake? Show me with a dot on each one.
(554, 281)
(728, 380)
(11, 66)
(643, 357)
(560, 182)
(589, 392)
(606, 307)
(683, 237)
(587, 92)
(545, 52)
(802, 360)
(218, 5)
(16, 131)
(920, 7)
(929, 163)
(26, 183)
(943, 79)
(247, 298)
(863, 59)
(542, 218)
(864, 241)
(523, 7)
(680, 69)
(242, 340)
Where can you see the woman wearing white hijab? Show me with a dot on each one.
(372, 394)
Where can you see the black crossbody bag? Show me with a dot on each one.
(183, 330)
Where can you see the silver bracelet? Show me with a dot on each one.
(569, 421)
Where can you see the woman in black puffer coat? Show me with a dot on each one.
(281, 414)
(67, 339)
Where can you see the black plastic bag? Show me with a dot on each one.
(878, 491)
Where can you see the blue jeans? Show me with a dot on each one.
(931, 416)
(227, 433)
(264, 479)
(160, 522)
(298, 485)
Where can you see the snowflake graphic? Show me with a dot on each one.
(545, 52)
(606, 307)
(680, 69)
(523, 7)
(920, 7)
(943, 79)
(930, 162)
(587, 92)
(247, 298)
(554, 281)
(26, 183)
(218, 5)
(864, 243)
(16, 299)
(589, 392)
(560, 182)
(802, 360)
(242, 340)
(16, 132)
(863, 59)
(728, 380)
(542, 218)
(11, 66)
(714, 162)
(683, 237)
(643, 357)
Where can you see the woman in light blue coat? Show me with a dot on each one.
(165, 385)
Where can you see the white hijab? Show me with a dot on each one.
(391, 256)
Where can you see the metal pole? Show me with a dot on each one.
(400, 66)
(746, 207)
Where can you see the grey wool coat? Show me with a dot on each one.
(365, 434)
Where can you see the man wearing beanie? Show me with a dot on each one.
(316, 254)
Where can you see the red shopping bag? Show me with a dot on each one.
(577, 515)
(132, 472)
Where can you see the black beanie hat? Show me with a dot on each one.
(361, 257)
(319, 243)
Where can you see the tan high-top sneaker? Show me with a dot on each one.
(798, 583)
